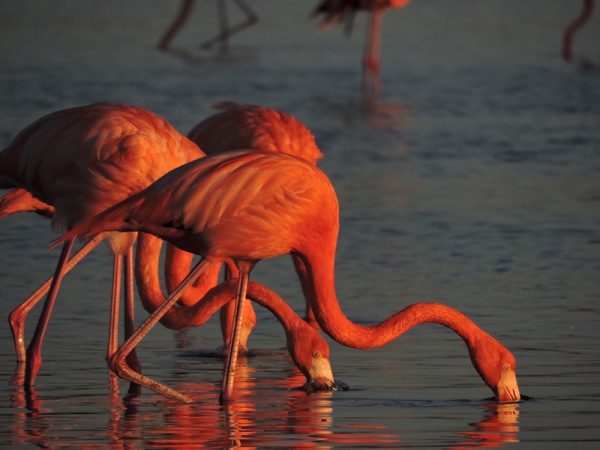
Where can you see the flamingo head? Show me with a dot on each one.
(497, 366)
(310, 353)
(399, 3)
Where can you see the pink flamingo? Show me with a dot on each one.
(308, 350)
(240, 126)
(81, 161)
(250, 206)
(335, 11)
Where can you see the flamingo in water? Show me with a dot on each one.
(72, 164)
(250, 206)
(308, 349)
(336, 11)
(242, 126)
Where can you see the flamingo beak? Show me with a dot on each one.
(507, 390)
(321, 375)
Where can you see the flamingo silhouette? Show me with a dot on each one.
(81, 161)
(336, 11)
(252, 206)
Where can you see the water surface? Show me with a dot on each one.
(474, 184)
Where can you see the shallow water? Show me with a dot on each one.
(475, 184)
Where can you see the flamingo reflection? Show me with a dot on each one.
(499, 426)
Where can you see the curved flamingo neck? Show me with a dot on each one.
(335, 323)
(181, 316)
(178, 264)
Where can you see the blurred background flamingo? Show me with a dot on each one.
(225, 30)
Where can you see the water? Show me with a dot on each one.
(476, 185)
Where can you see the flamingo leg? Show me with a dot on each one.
(18, 315)
(183, 15)
(129, 322)
(225, 30)
(302, 273)
(371, 82)
(118, 362)
(227, 388)
(113, 328)
(34, 352)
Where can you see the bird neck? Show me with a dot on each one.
(177, 265)
(334, 322)
(182, 316)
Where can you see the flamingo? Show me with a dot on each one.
(242, 126)
(250, 206)
(307, 348)
(225, 32)
(335, 11)
(81, 161)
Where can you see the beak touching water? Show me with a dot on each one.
(507, 389)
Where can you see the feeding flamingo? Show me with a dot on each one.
(73, 164)
(336, 11)
(308, 350)
(252, 206)
(241, 126)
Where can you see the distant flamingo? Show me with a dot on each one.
(240, 126)
(573, 27)
(336, 11)
(81, 161)
(252, 206)
(226, 31)
(309, 351)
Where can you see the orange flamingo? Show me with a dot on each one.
(252, 206)
(234, 127)
(307, 348)
(336, 11)
(81, 161)
(225, 32)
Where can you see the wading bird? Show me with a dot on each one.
(78, 162)
(234, 127)
(252, 206)
(308, 350)
(336, 11)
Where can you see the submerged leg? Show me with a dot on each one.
(118, 362)
(34, 352)
(227, 388)
(18, 315)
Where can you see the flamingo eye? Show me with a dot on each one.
(316, 354)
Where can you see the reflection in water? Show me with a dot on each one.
(268, 411)
(499, 426)
(379, 114)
